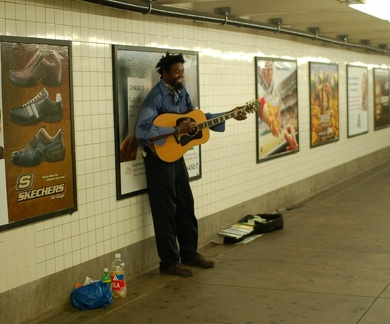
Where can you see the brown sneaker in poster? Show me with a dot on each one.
(41, 147)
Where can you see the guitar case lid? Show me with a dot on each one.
(262, 223)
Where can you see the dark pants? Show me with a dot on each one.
(172, 206)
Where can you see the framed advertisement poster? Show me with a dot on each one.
(37, 168)
(134, 76)
(381, 98)
(324, 103)
(277, 117)
(357, 97)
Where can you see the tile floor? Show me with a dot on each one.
(329, 264)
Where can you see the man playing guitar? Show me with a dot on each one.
(170, 195)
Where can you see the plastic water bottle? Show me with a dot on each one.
(118, 280)
(106, 278)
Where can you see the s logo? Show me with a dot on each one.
(24, 181)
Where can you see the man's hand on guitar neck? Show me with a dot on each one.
(241, 115)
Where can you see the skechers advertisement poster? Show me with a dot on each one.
(37, 176)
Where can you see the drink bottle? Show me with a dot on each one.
(106, 278)
(118, 280)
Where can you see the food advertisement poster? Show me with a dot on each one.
(37, 146)
(381, 98)
(134, 76)
(277, 117)
(324, 103)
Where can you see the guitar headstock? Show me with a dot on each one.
(252, 106)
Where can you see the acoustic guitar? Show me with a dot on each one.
(177, 145)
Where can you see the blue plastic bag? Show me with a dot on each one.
(94, 295)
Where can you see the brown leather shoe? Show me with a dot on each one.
(177, 269)
(42, 66)
(200, 262)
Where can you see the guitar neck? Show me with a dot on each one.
(177, 145)
(220, 119)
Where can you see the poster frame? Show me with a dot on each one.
(282, 148)
(44, 45)
(378, 98)
(351, 100)
(123, 68)
(315, 115)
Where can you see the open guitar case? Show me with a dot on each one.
(269, 223)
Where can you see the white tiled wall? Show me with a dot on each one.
(230, 174)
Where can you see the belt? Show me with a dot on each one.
(150, 149)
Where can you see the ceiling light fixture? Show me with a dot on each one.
(377, 8)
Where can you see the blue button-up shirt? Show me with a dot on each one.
(160, 100)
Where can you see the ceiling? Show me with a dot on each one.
(330, 20)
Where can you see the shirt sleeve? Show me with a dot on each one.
(145, 129)
(219, 127)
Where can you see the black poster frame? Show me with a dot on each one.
(38, 131)
(134, 74)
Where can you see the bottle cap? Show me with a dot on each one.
(117, 256)
(78, 285)
(105, 270)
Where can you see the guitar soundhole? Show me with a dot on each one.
(193, 133)
(187, 138)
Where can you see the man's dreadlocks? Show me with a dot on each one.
(167, 61)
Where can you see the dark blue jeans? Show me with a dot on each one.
(172, 205)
